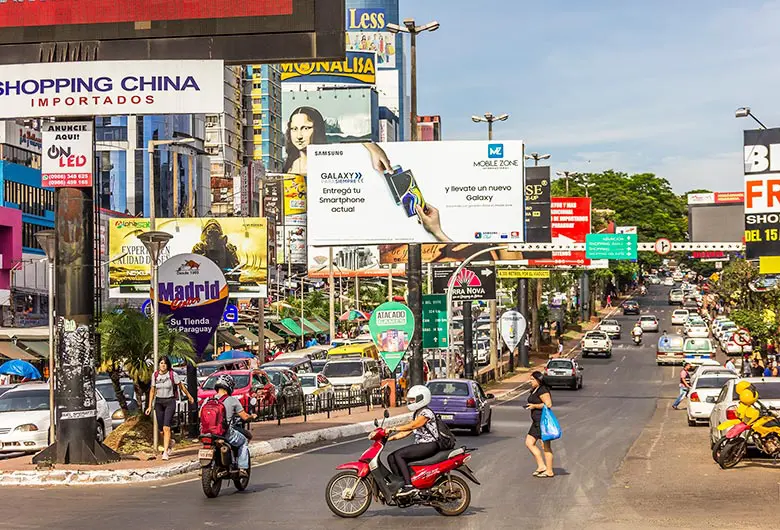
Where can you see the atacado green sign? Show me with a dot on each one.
(392, 327)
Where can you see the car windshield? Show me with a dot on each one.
(648, 319)
(317, 366)
(766, 390)
(240, 381)
(348, 369)
(596, 335)
(559, 364)
(713, 381)
(678, 312)
(610, 323)
(447, 388)
(698, 345)
(205, 371)
(25, 400)
(308, 380)
(107, 389)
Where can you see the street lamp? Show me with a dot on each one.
(567, 175)
(536, 157)
(489, 118)
(744, 112)
(150, 148)
(46, 240)
(155, 243)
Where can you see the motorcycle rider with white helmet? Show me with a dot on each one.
(426, 434)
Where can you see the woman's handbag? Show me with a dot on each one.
(551, 429)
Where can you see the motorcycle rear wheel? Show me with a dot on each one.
(242, 483)
(732, 453)
(360, 501)
(457, 489)
(208, 479)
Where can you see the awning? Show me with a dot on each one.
(292, 326)
(285, 330)
(324, 325)
(244, 332)
(232, 340)
(35, 347)
(314, 327)
(11, 351)
(273, 337)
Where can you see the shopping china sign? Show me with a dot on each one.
(67, 158)
(193, 290)
(105, 88)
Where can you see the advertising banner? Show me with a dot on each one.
(513, 325)
(27, 138)
(471, 283)
(324, 117)
(350, 262)
(762, 193)
(238, 245)
(68, 157)
(193, 290)
(392, 326)
(294, 194)
(358, 68)
(295, 243)
(273, 207)
(505, 274)
(537, 208)
(569, 223)
(423, 192)
(106, 88)
(440, 253)
(366, 31)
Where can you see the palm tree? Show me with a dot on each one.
(127, 346)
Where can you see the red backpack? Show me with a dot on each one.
(213, 417)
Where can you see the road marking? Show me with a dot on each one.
(623, 359)
(261, 464)
(607, 381)
(616, 369)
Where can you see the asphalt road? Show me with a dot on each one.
(600, 423)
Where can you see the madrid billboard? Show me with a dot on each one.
(762, 193)
(416, 192)
(239, 32)
(238, 245)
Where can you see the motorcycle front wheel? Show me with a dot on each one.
(347, 494)
(455, 496)
(732, 452)
(208, 479)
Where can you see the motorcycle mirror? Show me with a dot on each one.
(386, 414)
(376, 423)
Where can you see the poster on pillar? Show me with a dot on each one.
(392, 326)
(67, 160)
(194, 292)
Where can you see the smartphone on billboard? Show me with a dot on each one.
(405, 191)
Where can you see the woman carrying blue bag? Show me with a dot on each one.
(544, 426)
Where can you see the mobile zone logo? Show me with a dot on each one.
(496, 158)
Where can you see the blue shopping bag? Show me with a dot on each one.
(551, 429)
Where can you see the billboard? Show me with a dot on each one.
(441, 253)
(471, 283)
(21, 136)
(762, 192)
(242, 32)
(358, 68)
(569, 223)
(295, 245)
(294, 195)
(350, 262)
(416, 192)
(366, 31)
(68, 158)
(716, 223)
(323, 117)
(238, 245)
(108, 88)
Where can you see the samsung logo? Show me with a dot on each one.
(329, 153)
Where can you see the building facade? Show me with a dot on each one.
(263, 130)
(429, 128)
(224, 143)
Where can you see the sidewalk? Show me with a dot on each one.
(268, 437)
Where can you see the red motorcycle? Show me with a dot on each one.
(350, 491)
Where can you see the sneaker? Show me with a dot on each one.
(406, 490)
(170, 447)
(165, 455)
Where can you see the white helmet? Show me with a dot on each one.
(418, 397)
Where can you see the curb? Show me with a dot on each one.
(125, 476)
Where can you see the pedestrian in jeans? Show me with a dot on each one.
(685, 384)
(164, 395)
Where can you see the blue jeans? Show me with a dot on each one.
(239, 441)
(683, 393)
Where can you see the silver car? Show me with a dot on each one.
(648, 322)
(106, 387)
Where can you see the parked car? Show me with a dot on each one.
(356, 374)
(697, 350)
(691, 303)
(737, 343)
(721, 326)
(726, 402)
(563, 372)
(24, 418)
(696, 328)
(482, 351)
(679, 317)
(630, 307)
(611, 328)
(207, 368)
(317, 391)
(670, 350)
(596, 342)
(299, 365)
(106, 388)
(648, 322)
(706, 383)
(461, 403)
(289, 392)
(248, 384)
(317, 365)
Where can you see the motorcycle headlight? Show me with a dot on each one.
(118, 414)
(27, 427)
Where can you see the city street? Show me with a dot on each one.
(600, 424)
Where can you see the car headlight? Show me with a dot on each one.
(27, 427)
(118, 414)
(356, 386)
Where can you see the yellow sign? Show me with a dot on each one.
(769, 264)
(358, 67)
(523, 273)
(294, 194)
(238, 245)
(714, 276)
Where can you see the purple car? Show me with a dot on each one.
(461, 403)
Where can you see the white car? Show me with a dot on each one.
(611, 328)
(706, 383)
(680, 316)
(725, 404)
(317, 391)
(696, 329)
(482, 352)
(668, 282)
(648, 323)
(596, 343)
(24, 418)
(696, 351)
(733, 343)
(721, 326)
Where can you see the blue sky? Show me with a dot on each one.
(606, 84)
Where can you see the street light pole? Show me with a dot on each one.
(414, 257)
(567, 175)
(46, 240)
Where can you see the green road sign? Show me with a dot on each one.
(392, 327)
(610, 246)
(434, 321)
